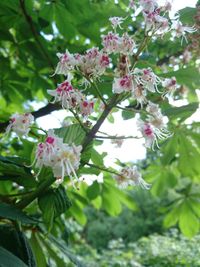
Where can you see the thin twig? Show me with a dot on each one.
(114, 137)
(101, 168)
(78, 120)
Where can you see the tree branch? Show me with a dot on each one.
(35, 33)
(94, 130)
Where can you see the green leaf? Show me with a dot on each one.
(188, 222)
(7, 259)
(38, 250)
(127, 199)
(195, 205)
(164, 180)
(53, 203)
(17, 243)
(188, 163)
(11, 212)
(110, 200)
(172, 217)
(169, 150)
(53, 255)
(182, 112)
(111, 118)
(187, 15)
(11, 170)
(126, 114)
(93, 191)
(64, 21)
(77, 212)
(97, 158)
(71, 134)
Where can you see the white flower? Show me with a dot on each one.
(178, 30)
(148, 5)
(116, 21)
(20, 124)
(126, 44)
(86, 107)
(170, 85)
(68, 96)
(93, 63)
(110, 42)
(153, 130)
(62, 158)
(130, 176)
(67, 161)
(113, 43)
(123, 84)
(66, 63)
(139, 93)
(153, 108)
(148, 79)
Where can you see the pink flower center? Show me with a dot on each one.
(148, 131)
(50, 140)
(125, 82)
(85, 104)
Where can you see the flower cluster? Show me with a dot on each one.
(92, 64)
(62, 158)
(154, 127)
(156, 20)
(70, 97)
(113, 43)
(20, 124)
(130, 176)
(138, 83)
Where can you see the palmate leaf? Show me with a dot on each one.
(53, 203)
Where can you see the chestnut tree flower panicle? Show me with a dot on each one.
(20, 124)
(71, 98)
(130, 176)
(68, 96)
(64, 159)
